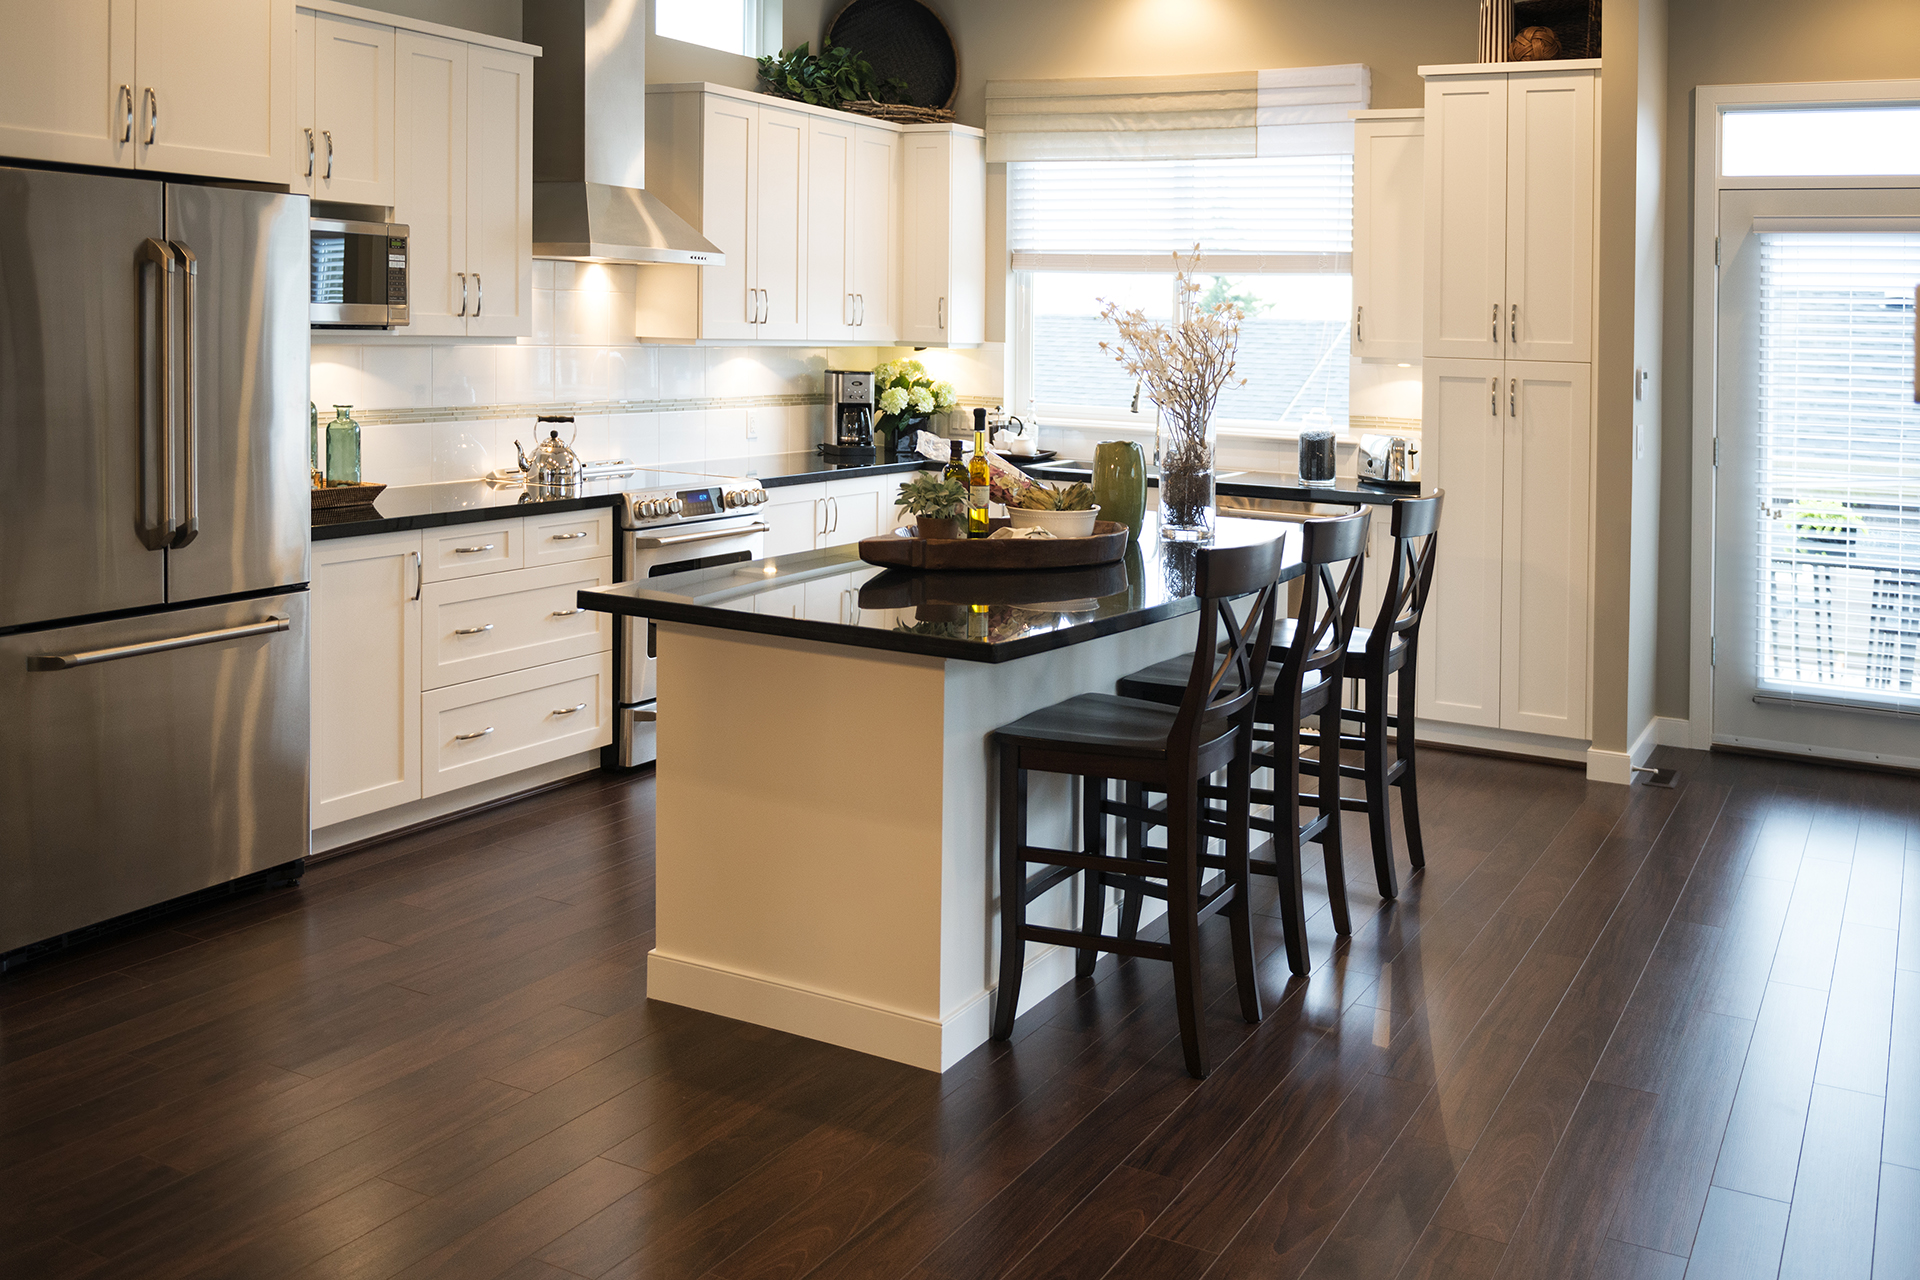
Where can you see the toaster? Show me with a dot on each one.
(1390, 460)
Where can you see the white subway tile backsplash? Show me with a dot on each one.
(543, 273)
(682, 372)
(683, 436)
(397, 455)
(397, 377)
(642, 381)
(525, 374)
(563, 273)
(543, 316)
(463, 450)
(464, 375)
(634, 436)
(335, 377)
(727, 434)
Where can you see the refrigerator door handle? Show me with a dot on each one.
(189, 400)
(91, 657)
(159, 254)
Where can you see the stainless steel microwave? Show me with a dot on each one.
(359, 274)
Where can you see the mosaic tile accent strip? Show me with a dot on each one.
(596, 408)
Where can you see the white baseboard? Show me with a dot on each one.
(1821, 753)
(413, 812)
(894, 1034)
(1440, 733)
(1610, 766)
(1672, 731)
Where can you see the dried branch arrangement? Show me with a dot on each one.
(1185, 366)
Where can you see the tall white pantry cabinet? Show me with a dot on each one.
(1507, 341)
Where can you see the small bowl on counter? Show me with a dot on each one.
(1061, 524)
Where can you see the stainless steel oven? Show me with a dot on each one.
(359, 274)
(673, 525)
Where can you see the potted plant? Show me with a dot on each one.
(906, 395)
(939, 505)
(831, 78)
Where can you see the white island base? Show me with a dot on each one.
(826, 832)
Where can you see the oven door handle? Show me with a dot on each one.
(681, 539)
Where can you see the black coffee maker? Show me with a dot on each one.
(850, 430)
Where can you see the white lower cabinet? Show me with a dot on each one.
(439, 662)
(366, 675)
(803, 517)
(486, 729)
(792, 516)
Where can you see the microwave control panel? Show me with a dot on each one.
(397, 271)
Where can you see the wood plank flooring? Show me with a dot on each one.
(1608, 1033)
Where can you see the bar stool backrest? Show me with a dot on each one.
(1329, 601)
(1224, 681)
(1416, 538)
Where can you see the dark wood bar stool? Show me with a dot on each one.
(1171, 748)
(1302, 680)
(1389, 647)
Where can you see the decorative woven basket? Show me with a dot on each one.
(900, 112)
(903, 39)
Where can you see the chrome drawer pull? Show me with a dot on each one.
(472, 551)
(566, 613)
(469, 737)
(472, 631)
(567, 711)
(569, 537)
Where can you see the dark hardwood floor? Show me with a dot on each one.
(1609, 1033)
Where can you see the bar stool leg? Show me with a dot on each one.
(1407, 783)
(1330, 847)
(1379, 794)
(1239, 912)
(1093, 898)
(1286, 861)
(1013, 890)
(1136, 841)
(1183, 931)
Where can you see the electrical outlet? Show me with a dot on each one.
(753, 424)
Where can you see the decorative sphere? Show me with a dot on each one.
(1535, 44)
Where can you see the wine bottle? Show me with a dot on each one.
(956, 469)
(980, 481)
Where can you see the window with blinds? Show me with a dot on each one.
(1276, 235)
(1838, 522)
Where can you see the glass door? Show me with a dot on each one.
(1817, 493)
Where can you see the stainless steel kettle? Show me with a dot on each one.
(554, 465)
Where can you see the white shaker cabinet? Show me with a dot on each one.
(850, 231)
(804, 517)
(944, 249)
(793, 516)
(1465, 161)
(1463, 452)
(366, 675)
(463, 130)
(874, 233)
(1389, 234)
(200, 87)
(343, 109)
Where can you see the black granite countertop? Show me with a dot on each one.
(775, 469)
(427, 506)
(934, 613)
(1249, 484)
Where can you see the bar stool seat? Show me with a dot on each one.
(1102, 724)
(1155, 682)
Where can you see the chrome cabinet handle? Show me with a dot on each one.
(473, 551)
(328, 135)
(1513, 397)
(834, 505)
(126, 99)
(1493, 396)
(479, 296)
(860, 308)
(159, 254)
(309, 134)
(473, 631)
(1513, 324)
(846, 309)
(1496, 323)
(1358, 312)
(91, 657)
(569, 537)
(469, 737)
(647, 544)
(153, 115)
(753, 305)
(189, 398)
(419, 574)
(565, 613)
(943, 313)
(463, 291)
(567, 711)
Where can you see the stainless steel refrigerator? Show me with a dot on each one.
(154, 529)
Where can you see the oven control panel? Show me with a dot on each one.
(701, 503)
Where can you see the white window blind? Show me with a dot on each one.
(1838, 522)
(1287, 213)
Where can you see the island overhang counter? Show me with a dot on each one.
(824, 830)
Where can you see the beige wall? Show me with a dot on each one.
(492, 17)
(1738, 42)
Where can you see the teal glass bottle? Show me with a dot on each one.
(343, 447)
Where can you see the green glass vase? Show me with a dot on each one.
(1120, 483)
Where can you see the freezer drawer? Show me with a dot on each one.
(147, 758)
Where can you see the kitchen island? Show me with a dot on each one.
(824, 838)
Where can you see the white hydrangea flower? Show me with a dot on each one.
(944, 395)
(916, 368)
(893, 400)
(922, 400)
(885, 374)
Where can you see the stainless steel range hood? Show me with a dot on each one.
(589, 139)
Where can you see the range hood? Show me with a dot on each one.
(589, 139)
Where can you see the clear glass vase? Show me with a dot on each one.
(1186, 481)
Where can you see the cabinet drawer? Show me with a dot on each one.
(488, 728)
(465, 550)
(500, 622)
(576, 535)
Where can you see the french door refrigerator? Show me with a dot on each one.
(154, 529)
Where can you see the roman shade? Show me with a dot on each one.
(1295, 111)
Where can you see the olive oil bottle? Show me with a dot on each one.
(956, 468)
(980, 481)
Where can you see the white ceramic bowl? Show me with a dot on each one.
(1061, 524)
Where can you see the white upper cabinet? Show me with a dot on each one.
(944, 256)
(1509, 224)
(725, 188)
(780, 225)
(850, 231)
(1388, 234)
(198, 87)
(873, 236)
(1549, 220)
(463, 132)
(343, 107)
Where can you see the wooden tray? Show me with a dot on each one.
(346, 495)
(1087, 583)
(901, 549)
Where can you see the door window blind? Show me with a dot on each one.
(1284, 213)
(1838, 439)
